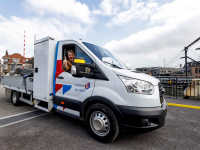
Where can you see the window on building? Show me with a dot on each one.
(196, 70)
(5, 60)
(15, 60)
(5, 67)
(199, 70)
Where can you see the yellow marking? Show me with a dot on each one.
(79, 61)
(181, 105)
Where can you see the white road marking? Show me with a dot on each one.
(19, 114)
(23, 120)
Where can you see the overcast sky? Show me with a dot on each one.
(142, 33)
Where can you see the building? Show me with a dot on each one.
(146, 70)
(9, 60)
(1, 68)
(155, 71)
(193, 68)
(29, 64)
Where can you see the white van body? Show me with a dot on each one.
(76, 96)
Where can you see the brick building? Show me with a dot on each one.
(193, 68)
(8, 61)
(1, 68)
(195, 71)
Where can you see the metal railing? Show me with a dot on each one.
(181, 87)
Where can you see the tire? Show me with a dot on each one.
(15, 98)
(102, 123)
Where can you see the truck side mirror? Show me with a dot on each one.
(81, 69)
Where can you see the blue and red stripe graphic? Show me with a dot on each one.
(87, 86)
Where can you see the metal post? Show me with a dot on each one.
(176, 87)
(186, 60)
(169, 87)
(194, 88)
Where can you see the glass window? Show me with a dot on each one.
(81, 53)
(5, 60)
(196, 70)
(199, 70)
(105, 56)
(15, 60)
(5, 67)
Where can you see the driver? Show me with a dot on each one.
(67, 64)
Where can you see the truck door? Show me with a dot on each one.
(71, 91)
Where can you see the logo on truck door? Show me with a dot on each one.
(82, 88)
(87, 86)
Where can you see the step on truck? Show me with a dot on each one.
(100, 89)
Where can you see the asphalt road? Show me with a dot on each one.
(40, 130)
(7, 108)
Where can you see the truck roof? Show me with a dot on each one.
(49, 37)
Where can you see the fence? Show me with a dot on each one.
(181, 87)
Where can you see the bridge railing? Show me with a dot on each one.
(181, 87)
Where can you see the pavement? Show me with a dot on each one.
(24, 127)
(7, 108)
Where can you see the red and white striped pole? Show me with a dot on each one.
(24, 52)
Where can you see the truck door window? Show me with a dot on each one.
(81, 53)
(67, 52)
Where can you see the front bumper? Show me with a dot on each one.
(142, 120)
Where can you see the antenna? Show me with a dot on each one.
(35, 38)
(24, 51)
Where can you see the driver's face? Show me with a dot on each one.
(71, 56)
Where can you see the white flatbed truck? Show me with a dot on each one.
(99, 90)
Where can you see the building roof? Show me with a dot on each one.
(15, 56)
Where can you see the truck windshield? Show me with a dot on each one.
(105, 56)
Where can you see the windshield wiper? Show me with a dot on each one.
(112, 65)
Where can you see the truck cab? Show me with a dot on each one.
(99, 89)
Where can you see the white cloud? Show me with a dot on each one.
(152, 5)
(13, 29)
(123, 11)
(138, 11)
(62, 8)
(125, 4)
(61, 19)
(177, 11)
(153, 45)
(109, 7)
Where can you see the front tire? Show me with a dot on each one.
(102, 123)
(15, 98)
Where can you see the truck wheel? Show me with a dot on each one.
(102, 123)
(15, 98)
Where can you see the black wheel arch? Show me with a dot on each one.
(99, 99)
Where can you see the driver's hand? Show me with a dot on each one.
(65, 63)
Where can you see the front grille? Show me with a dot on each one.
(161, 93)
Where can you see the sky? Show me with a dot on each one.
(142, 33)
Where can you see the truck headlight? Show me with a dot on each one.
(137, 86)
